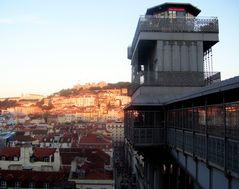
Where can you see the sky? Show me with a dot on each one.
(49, 45)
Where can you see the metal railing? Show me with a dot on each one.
(210, 133)
(176, 78)
(173, 79)
(143, 128)
(212, 149)
(147, 136)
(158, 24)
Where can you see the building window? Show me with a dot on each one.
(3, 184)
(17, 185)
(31, 185)
(3, 158)
(52, 158)
(46, 159)
(32, 158)
(172, 14)
(15, 158)
(181, 14)
(45, 185)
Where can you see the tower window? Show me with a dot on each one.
(172, 14)
(180, 14)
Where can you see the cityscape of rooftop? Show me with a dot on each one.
(163, 114)
(47, 46)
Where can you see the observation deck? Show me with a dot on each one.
(152, 24)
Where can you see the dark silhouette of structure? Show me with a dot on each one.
(182, 127)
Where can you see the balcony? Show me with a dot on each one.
(209, 132)
(143, 137)
(173, 79)
(190, 25)
(168, 78)
(144, 128)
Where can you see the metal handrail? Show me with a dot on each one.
(150, 23)
(176, 78)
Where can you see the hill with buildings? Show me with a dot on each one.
(89, 102)
(75, 137)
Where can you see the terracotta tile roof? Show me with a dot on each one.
(93, 139)
(19, 133)
(93, 172)
(93, 166)
(43, 152)
(74, 143)
(10, 152)
(101, 175)
(24, 138)
(96, 159)
(67, 158)
(39, 132)
(103, 156)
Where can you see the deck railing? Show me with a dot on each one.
(158, 24)
(209, 133)
(145, 128)
(174, 79)
(147, 136)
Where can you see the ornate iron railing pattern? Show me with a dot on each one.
(158, 24)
